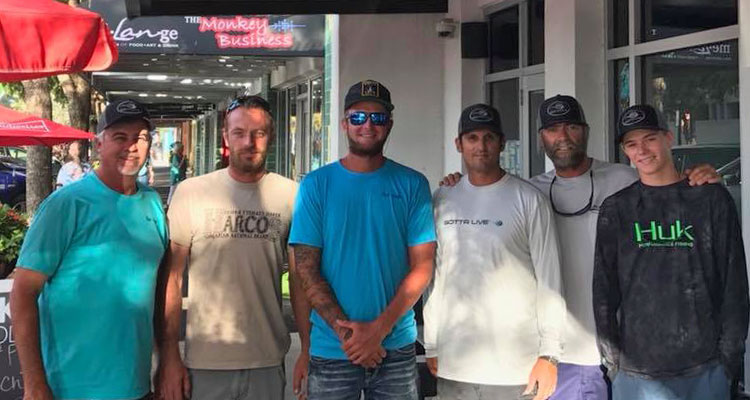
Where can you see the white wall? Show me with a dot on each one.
(463, 82)
(574, 62)
(403, 52)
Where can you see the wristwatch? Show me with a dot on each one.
(552, 360)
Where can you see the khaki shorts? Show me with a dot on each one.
(244, 384)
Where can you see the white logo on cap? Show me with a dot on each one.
(633, 117)
(130, 108)
(558, 108)
(370, 89)
(480, 115)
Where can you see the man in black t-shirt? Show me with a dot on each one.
(670, 285)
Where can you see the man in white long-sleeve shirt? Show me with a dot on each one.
(494, 312)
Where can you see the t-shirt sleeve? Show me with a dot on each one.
(307, 218)
(179, 216)
(49, 236)
(421, 227)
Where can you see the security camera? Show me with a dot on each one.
(446, 27)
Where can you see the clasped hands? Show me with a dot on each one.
(362, 341)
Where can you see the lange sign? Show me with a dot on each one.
(263, 35)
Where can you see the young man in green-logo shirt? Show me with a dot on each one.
(670, 285)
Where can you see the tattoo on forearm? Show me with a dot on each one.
(317, 290)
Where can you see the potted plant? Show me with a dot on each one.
(13, 226)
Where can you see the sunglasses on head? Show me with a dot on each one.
(360, 117)
(249, 101)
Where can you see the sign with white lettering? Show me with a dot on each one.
(261, 35)
(11, 385)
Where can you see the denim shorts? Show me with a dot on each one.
(395, 378)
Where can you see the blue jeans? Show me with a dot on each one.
(395, 378)
(712, 383)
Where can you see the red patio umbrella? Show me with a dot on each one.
(19, 129)
(45, 37)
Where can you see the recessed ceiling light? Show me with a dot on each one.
(248, 84)
(218, 80)
(142, 94)
(230, 65)
(154, 59)
(186, 81)
(207, 81)
(146, 64)
(222, 60)
(156, 77)
(189, 97)
(199, 97)
(161, 95)
(177, 97)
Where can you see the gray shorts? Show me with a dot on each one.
(454, 390)
(243, 384)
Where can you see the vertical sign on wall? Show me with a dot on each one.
(11, 385)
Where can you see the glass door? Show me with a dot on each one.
(533, 96)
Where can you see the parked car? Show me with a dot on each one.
(13, 176)
(13, 182)
(725, 158)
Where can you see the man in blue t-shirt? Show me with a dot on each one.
(83, 297)
(364, 244)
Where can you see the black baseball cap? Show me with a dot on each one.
(122, 110)
(368, 90)
(639, 116)
(561, 108)
(478, 116)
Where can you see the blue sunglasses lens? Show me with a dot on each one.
(360, 117)
(379, 118)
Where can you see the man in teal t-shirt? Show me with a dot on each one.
(364, 243)
(83, 298)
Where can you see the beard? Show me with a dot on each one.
(573, 158)
(255, 165)
(366, 151)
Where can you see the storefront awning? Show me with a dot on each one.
(138, 8)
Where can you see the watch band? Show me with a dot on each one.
(552, 360)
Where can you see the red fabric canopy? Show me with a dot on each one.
(19, 129)
(44, 37)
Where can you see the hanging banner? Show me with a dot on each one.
(257, 35)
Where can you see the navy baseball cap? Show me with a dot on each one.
(122, 110)
(639, 116)
(368, 90)
(479, 116)
(559, 109)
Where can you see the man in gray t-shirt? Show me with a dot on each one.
(576, 188)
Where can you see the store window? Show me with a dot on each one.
(505, 99)
(619, 15)
(667, 18)
(661, 19)
(316, 136)
(515, 80)
(504, 36)
(536, 32)
(694, 85)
